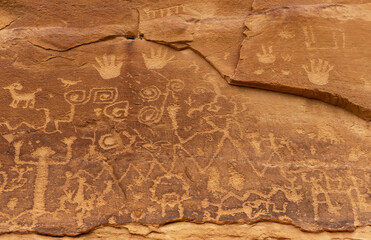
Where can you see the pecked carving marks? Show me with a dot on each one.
(287, 55)
(28, 98)
(161, 128)
(308, 55)
(332, 43)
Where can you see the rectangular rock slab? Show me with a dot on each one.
(318, 51)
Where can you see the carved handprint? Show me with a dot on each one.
(107, 67)
(266, 57)
(157, 60)
(319, 72)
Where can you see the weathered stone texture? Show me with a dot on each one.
(125, 113)
(314, 51)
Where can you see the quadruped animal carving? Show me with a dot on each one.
(18, 96)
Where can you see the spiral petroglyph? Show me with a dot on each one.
(146, 115)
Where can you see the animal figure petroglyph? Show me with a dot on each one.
(28, 98)
(68, 83)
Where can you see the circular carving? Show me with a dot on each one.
(117, 111)
(108, 95)
(176, 85)
(108, 141)
(149, 115)
(151, 93)
(76, 97)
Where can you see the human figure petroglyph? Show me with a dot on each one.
(205, 104)
(78, 197)
(8, 184)
(359, 199)
(323, 187)
(170, 190)
(18, 96)
(84, 196)
(152, 142)
(158, 59)
(43, 155)
(334, 189)
(271, 147)
(256, 204)
(68, 83)
(319, 71)
(267, 56)
(108, 67)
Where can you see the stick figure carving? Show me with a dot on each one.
(28, 98)
(42, 168)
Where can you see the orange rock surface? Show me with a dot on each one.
(126, 113)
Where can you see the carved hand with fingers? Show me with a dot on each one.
(267, 55)
(158, 59)
(319, 72)
(107, 67)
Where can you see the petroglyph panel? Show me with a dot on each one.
(316, 51)
(115, 130)
(149, 146)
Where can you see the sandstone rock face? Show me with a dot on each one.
(302, 50)
(124, 113)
